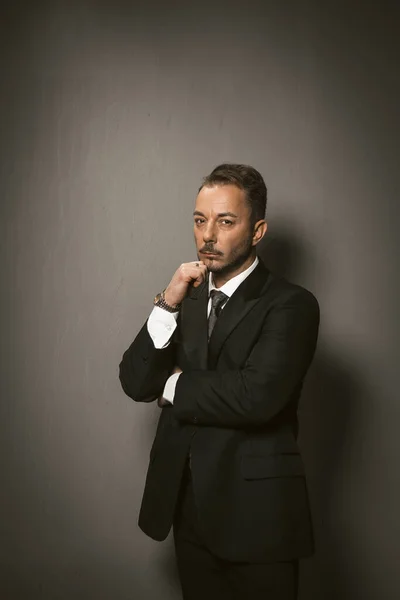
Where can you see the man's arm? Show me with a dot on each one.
(144, 369)
(254, 394)
(149, 360)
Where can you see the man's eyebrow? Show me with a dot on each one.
(224, 214)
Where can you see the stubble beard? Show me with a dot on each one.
(237, 259)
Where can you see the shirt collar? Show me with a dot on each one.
(231, 286)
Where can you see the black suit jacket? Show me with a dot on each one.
(235, 410)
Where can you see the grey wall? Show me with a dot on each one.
(111, 114)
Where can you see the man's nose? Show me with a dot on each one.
(209, 233)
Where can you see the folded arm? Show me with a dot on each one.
(254, 394)
(148, 362)
(144, 368)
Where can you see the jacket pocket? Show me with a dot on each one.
(273, 465)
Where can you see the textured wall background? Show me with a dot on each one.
(111, 113)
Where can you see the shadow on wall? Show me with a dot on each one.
(327, 424)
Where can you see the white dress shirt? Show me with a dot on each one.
(161, 324)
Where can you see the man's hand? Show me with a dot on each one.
(161, 401)
(192, 273)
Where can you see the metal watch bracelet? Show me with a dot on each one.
(160, 301)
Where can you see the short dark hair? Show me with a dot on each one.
(245, 178)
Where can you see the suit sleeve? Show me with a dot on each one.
(254, 394)
(144, 369)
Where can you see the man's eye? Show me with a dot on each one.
(227, 222)
(199, 221)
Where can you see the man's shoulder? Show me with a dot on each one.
(280, 290)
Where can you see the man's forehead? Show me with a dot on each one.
(221, 198)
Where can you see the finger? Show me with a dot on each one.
(198, 265)
(199, 280)
(200, 273)
(190, 271)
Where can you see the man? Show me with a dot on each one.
(225, 351)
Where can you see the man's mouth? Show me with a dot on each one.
(211, 254)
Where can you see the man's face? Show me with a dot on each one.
(222, 230)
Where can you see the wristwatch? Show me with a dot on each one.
(159, 301)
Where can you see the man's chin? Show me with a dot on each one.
(214, 266)
(213, 263)
(221, 266)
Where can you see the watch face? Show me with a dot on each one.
(157, 298)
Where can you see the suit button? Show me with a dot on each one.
(195, 419)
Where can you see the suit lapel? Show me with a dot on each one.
(194, 326)
(240, 303)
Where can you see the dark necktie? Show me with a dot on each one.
(217, 300)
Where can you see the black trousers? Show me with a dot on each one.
(206, 577)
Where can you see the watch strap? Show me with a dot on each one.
(160, 301)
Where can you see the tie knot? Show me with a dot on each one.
(217, 299)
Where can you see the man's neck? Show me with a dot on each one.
(219, 279)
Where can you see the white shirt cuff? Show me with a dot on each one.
(169, 389)
(161, 324)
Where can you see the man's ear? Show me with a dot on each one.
(260, 229)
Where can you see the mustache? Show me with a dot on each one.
(211, 250)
